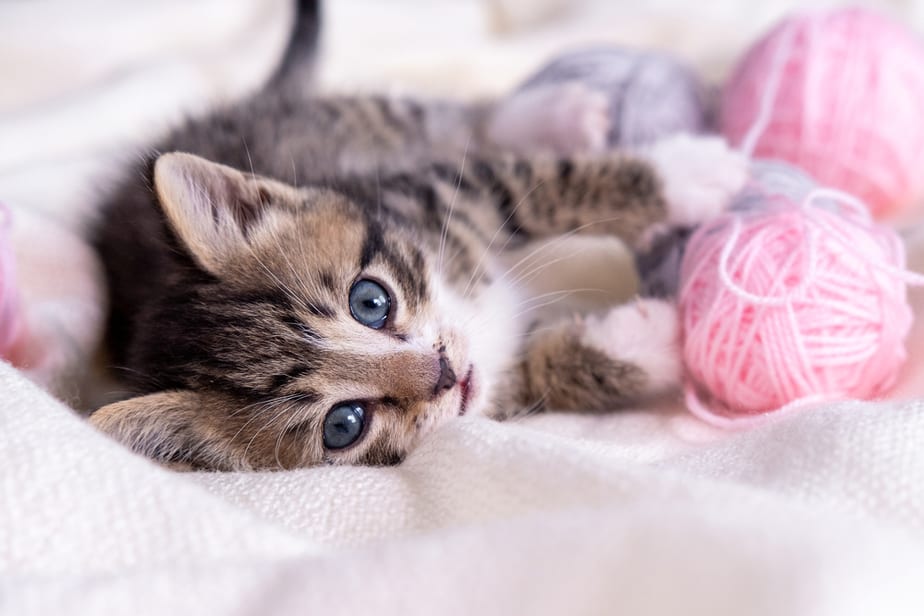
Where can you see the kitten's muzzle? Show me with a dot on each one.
(417, 377)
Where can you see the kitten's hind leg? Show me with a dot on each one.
(599, 363)
(562, 119)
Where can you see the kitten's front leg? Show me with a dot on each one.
(678, 182)
(598, 363)
(699, 175)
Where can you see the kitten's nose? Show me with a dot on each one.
(408, 375)
(447, 378)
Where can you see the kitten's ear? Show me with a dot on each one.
(171, 427)
(214, 208)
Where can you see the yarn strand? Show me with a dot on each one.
(765, 109)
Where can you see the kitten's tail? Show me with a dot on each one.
(295, 69)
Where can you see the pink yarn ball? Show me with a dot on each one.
(795, 293)
(10, 317)
(847, 106)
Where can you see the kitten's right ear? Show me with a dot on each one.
(213, 208)
(170, 427)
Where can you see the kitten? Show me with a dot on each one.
(299, 281)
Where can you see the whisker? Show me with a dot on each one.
(300, 280)
(533, 409)
(285, 408)
(300, 301)
(530, 274)
(282, 433)
(268, 404)
(378, 191)
(503, 224)
(541, 305)
(554, 242)
(249, 159)
(538, 330)
(452, 204)
(541, 296)
(285, 398)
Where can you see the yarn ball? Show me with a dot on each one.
(794, 293)
(846, 89)
(10, 317)
(651, 95)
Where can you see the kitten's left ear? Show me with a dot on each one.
(213, 208)
(177, 428)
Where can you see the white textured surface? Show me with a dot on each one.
(648, 512)
(641, 513)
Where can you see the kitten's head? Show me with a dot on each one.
(306, 328)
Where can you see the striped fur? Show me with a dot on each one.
(230, 265)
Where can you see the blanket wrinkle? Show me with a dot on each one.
(72, 500)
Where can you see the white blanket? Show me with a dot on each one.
(635, 513)
(641, 512)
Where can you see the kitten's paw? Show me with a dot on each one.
(700, 176)
(644, 333)
(565, 119)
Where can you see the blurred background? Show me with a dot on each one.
(87, 83)
(86, 80)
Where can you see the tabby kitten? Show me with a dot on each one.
(298, 280)
(321, 281)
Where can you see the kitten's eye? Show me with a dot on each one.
(369, 303)
(343, 425)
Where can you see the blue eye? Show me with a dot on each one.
(343, 425)
(369, 303)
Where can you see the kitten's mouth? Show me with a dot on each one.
(467, 386)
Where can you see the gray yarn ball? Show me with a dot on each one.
(651, 94)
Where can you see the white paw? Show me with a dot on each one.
(700, 175)
(645, 333)
(564, 119)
